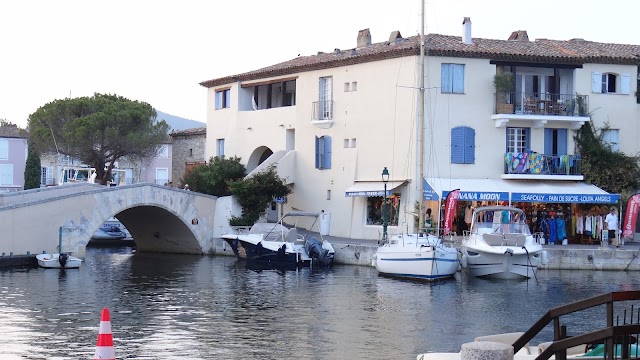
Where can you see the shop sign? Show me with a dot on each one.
(566, 198)
(480, 196)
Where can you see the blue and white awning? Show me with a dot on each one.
(371, 188)
(523, 191)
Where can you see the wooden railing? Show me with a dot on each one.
(611, 335)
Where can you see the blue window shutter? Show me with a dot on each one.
(457, 145)
(548, 141)
(446, 78)
(458, 79)
(327, 152)
(527, 134)
(562, 142)
(469, 145)
(317, 152)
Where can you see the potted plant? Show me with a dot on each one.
(505, 86)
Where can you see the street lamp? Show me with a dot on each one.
(385, 218)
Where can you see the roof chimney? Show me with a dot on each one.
(466, 31)
(520, 35)
(394, 36)
(364, 38)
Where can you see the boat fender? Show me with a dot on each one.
(544, 258)
(464, 262)
(62, 259)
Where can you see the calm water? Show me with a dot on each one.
(192, 307)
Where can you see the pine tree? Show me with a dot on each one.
(32, 170)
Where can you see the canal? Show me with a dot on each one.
(202, 307)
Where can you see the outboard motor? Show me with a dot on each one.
(315, 251)
(62, 259)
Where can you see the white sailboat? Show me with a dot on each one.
(419, 256)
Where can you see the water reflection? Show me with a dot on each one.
(201, 307)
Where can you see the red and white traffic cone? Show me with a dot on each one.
(104, 349)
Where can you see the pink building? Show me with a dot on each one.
(13, 157)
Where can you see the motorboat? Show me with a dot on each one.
(58, 261)
(276, 244)
(500, 244)
(419, 256)
(111, 229)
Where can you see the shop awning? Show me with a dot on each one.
(371, 188)
(523, 191)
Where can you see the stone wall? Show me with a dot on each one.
(186, 148)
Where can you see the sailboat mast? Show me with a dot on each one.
(421, 120)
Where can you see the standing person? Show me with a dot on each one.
(428, 219)
(612, 225)
(468, 214)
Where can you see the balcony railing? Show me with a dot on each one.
(323, 110)
(542, 104)
(540, 164)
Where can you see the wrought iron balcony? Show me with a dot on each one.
(323, 110)
(541, 104)
(532, 163)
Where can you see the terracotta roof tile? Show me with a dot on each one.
(13, 131)
(189, 132)
(574, 51)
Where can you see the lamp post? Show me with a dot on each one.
(385, 218)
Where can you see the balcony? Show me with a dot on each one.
(540, 166)
(322, 114)
(564, 109)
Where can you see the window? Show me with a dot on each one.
(517, 140)
(190, 152)
(346, 143)
(353, 142)
(162, 176)
(611, 138)
(220, 147)
(347, 87)
(375, 210)
(325, 99)
(610, 83)
(354, 86)
(463, 145)
(223, 99)
(452, 79)
(4, 149)
(323, 152)
(6, 174)
(45, 176)
(555, 141)
(163, 151)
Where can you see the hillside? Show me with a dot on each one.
(177, 123)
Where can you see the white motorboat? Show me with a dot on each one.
(416, 256)
(275, 245)
(501, 245)
(111, 229)
(58, 261)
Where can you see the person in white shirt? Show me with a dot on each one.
(612, 225)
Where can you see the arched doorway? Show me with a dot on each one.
(259, 155)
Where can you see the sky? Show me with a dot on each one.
(159, 51)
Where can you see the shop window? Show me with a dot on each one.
(517, 140)
(375, 209)
(323, 152)
(463, 145)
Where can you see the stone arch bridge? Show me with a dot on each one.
(159, 218)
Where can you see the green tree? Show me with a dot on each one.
(98, 130)
(255, 193)
(613, 171)
(214, 177)
(32, 170)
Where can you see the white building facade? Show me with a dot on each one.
(331, 122)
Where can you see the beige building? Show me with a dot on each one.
(333, 121)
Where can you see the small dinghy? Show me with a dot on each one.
(58, 261)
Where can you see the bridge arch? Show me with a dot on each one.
(160, 219)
